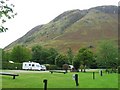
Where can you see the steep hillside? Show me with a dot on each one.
(74, 28)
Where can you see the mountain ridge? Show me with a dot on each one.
(74, 28)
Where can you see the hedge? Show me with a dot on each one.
(11, 66)
(51, 67)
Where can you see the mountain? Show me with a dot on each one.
(74, 28)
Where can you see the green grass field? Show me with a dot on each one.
(60, 80)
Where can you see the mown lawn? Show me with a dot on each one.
(60, 80)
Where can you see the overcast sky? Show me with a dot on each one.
(36, 12)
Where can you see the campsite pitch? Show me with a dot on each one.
(35, 79)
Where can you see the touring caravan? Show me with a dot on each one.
(32, 66)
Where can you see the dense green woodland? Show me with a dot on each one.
(105, 56)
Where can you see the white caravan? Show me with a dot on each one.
(32, 66)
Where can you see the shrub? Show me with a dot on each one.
(11, 66)
(65, 67)
(47, 66)
(52, 67)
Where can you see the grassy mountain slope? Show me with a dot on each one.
(74, 28)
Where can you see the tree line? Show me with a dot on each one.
(105, 56)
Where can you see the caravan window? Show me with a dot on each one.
(33, 65)
(37, 65)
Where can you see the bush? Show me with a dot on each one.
(47, 66)
(53, 67)
(18, 66)
(11, 66)
(65, 67)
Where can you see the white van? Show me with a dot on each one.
(32, 66)
(43, 67)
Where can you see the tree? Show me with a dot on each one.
(36, 53)
(52, 55)
(107, 55)
(6, 12)
(70, 56)
(1, 51)
(40, 55)
(85, 57)
(20, 54)
(60, 60)
(76, 63)
(6, 56)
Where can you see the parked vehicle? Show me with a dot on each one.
(43, 67)
(71, 67)
(33, 66)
